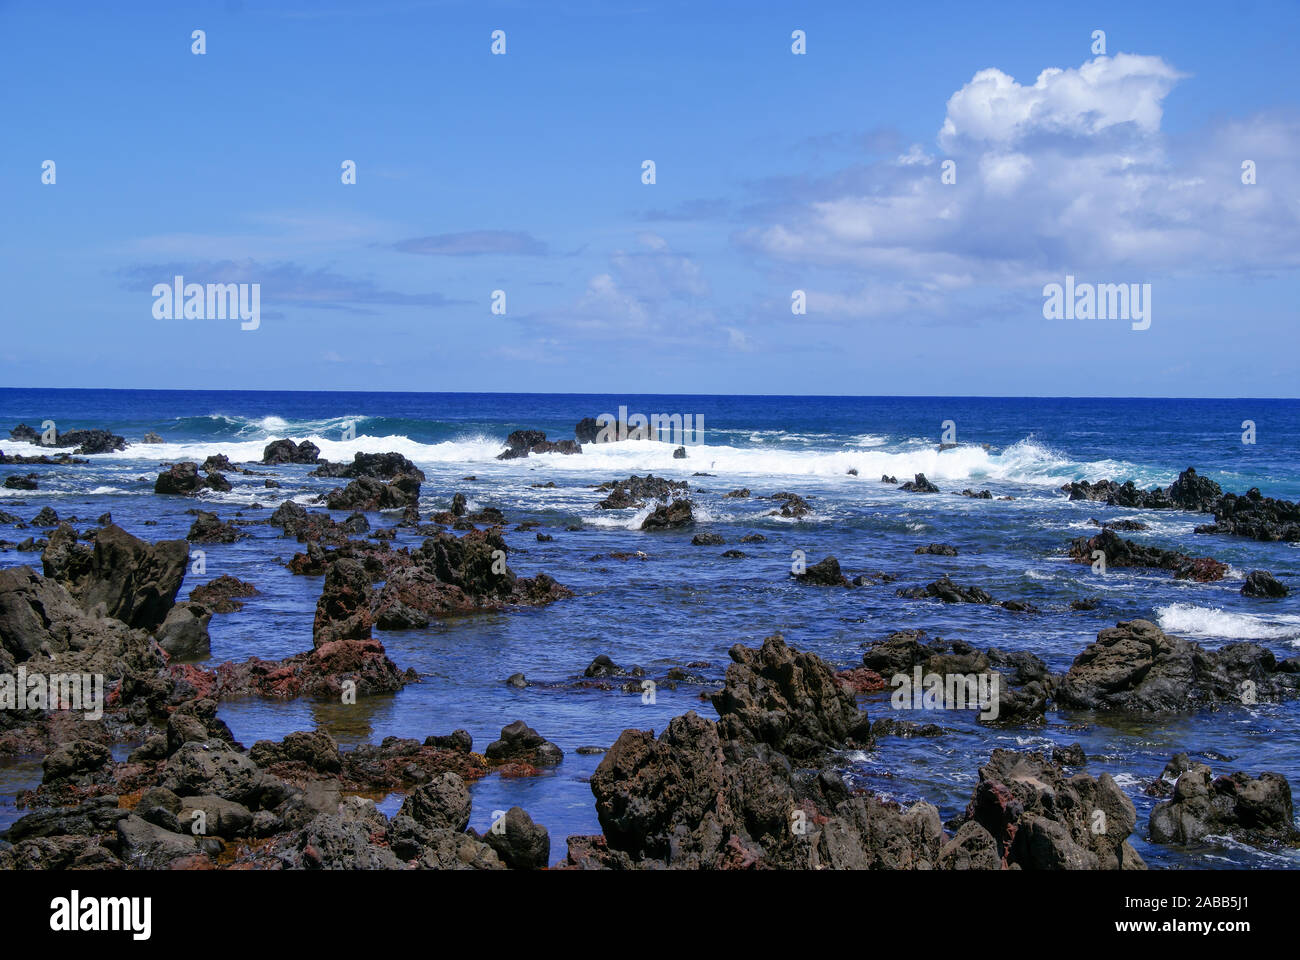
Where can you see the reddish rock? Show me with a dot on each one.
(518, 770)
(860, 680)
(320, 672)
(343, 611)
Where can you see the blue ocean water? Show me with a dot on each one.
(685, 604)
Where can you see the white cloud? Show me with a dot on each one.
(994, 108)
(650, 291)
(656, 273)
(605, 303)
(737, 340)
(1072, 173)
(1003, 173)
(915, 155)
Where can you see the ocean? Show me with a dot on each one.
(688, 604)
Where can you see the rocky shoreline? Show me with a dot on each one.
(753, 789)
(757, 788)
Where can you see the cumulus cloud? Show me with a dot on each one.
(1070, 173)
(1105, 92)
(1003, 173)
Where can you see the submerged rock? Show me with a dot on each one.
(1040, 819)
(1118, 494)
(792, 505)
(520, 743)
(361, 666)
(1249, 515)
(1255, 516)
(1255, 810)
(919, 484)
(183, 479)
(824, 573)
(1124, 524)
(1024, 684)
(368, 493)
(209, 528)
(938, 550)
(86, 441)
(1261, 583)
(318, 528)
(636, 491)
(377, 466)
(45, 517)
(1119, 552)
(452, 575)
(1136, 666)
(946, 590)
(284, 451)
(223, 594)
(523, 442)
(672, 516)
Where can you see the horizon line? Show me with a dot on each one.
(557, 393)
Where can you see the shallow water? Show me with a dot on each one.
(686, 603)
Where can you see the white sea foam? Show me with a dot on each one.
(1189, 620)
(1027, 462)
(470, 449)
(617, 519)
(1043, 575)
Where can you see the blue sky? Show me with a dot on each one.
(774, 172)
